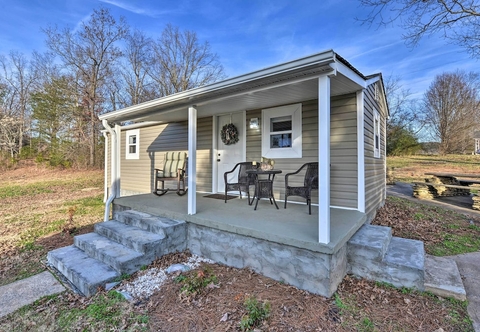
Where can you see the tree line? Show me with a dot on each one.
(50, 102)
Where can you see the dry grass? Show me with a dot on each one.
(413, 168)
(40, 209)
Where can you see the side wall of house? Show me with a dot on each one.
(343, 137)
(375, 177)
(137, 175)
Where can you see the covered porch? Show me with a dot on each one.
(292, 226)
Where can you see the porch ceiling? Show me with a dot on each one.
(251, 99)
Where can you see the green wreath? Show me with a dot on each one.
(229, 134)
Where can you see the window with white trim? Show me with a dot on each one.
(282, 132)
(376, 134)
(132, 144)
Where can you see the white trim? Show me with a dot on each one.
(105, 171)
(377, 131)
(350, 74)
(136, 134)
(215, 153)
(295, 151)
(324, 159)
(118, 158)
(141, 125)
(343, 208)
(360, 151)
(192, 160)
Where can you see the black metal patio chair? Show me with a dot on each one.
(243, 180)
(310, 182)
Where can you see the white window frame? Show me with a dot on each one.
(295, 151)
(128, 134)
(377, 143)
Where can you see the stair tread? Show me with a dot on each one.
(406, 252)
(442, 277)
(130, 232)
(371, 236)
(109, 247)
(85, 272)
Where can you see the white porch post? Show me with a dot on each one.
(360, 152)
(192, 159)
(324, 159)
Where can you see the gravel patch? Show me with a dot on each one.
(148, 281)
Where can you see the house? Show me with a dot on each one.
(327, 111)
(476, 138)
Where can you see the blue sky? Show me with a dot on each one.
(251, 34)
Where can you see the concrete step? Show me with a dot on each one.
(86, 273)
(175, 231)
(370, 242)
(132, 237)
(442, 278)
(405, 263)
(121, 258)
(373, 253)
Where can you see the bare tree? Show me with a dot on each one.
(180, 62)
(90, 52)
(18, 80)
(457, 20)
(138, 53)
(452, 108)
(404, 122)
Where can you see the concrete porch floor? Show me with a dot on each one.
(292, 226)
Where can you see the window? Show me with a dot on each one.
(376, 134)
(282, 132)
(132, 144)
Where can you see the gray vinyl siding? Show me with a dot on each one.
(137, 175)
(375, 180)
(343, 153)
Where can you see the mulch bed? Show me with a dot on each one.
(357, 306)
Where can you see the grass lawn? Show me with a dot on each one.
(43, 209)
(412, 168)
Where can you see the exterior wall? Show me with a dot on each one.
(343, 149)
(137, 174)
(375, 168)
(343, 152)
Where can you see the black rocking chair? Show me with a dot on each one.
(175, 166)
(310, 182)
(244, 180)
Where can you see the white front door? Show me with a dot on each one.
(229, 155)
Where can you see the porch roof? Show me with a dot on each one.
(290, 82)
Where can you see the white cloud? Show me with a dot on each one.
(137, 10)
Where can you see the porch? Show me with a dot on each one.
(292, 226)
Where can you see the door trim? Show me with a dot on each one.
(215, 135)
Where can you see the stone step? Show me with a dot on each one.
(121, 258)
(370, 242)
(86, 273)
(373, 253)
(132, 237)
(405, 263)
(175, 231)
(442, 278)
